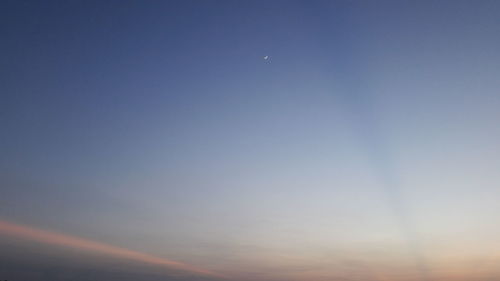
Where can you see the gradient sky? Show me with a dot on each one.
(151, 140)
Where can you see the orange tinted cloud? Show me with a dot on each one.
(53, 238)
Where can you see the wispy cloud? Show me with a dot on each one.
(53, 238)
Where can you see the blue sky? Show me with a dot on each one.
(364, 148)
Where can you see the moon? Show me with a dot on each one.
(266, 57)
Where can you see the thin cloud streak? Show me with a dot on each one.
(53, 238)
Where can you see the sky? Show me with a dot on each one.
(249, 140)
